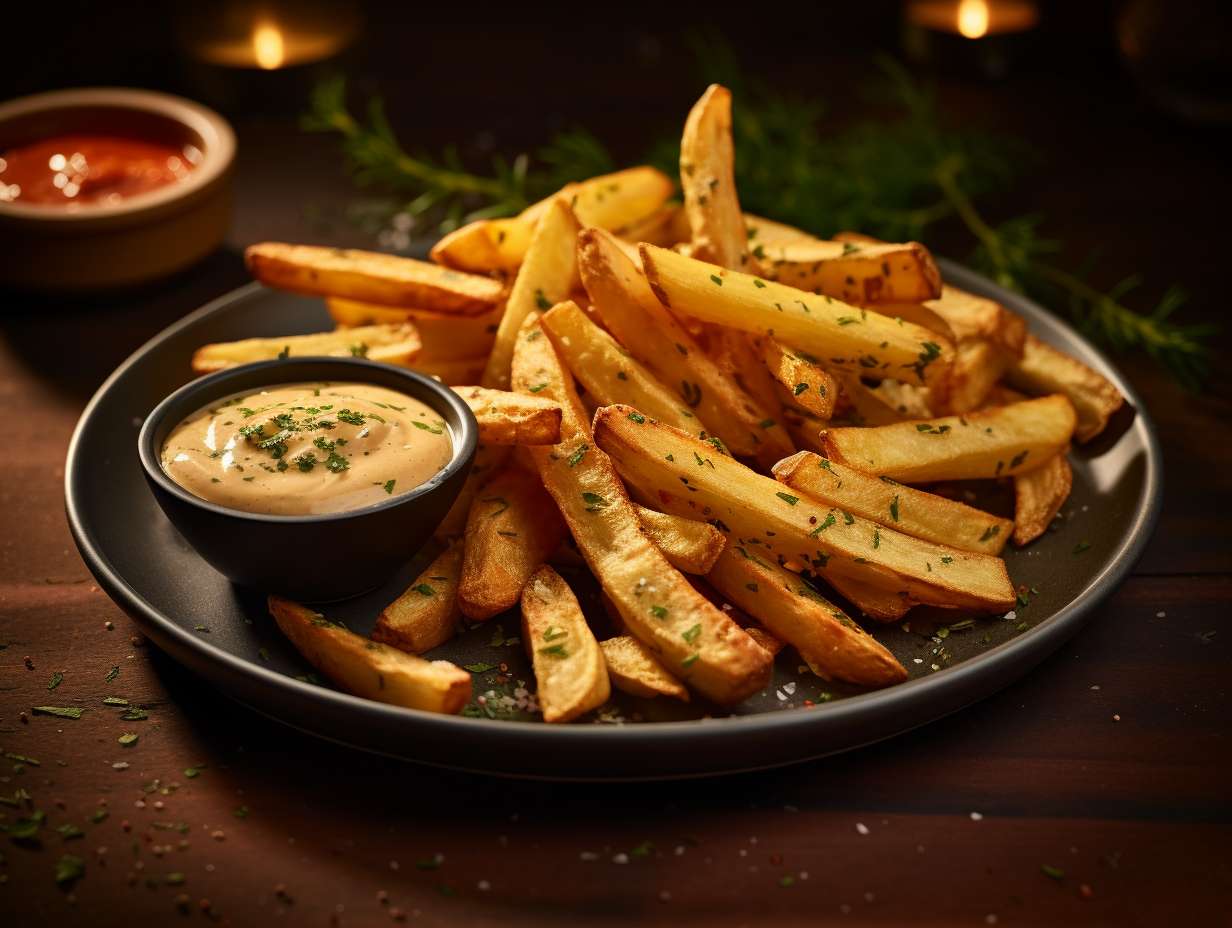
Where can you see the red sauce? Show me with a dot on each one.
(70, 169)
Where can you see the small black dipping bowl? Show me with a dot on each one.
(313, 558)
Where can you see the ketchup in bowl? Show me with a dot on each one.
(69, 169)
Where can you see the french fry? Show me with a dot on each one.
(803, 427)
(390, 344)
(452, 373)
(691, 546)
(907, 401)
(488, 460)
(874, 602)
(1044, 369)
(511, 530)
(372, 278)
(660, 462)
(809, 385)
(915, 512)
(1039, 496)
(512, 418)
(842, 336)
(692, 638)
(629, 199)
(767, 641)
(426, 614)
(629, 310)
(608, 372)
(659, 228)
(765, 232)
(546, 277)
(831, 644)
(370, 669)
(854, 273)
(978, 365)
(444, 338)
(708, 181)
(633, 669)
(998, 442)
(569, 664)
(865, 406)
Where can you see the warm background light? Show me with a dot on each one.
(973, 18)
(267, 46)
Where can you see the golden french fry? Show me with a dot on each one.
(908, 401)
(803, 427)
(915, 512)
(659, 228)
(767, 641)
(444, 338)
(809, 385)
(692, 638)
(488, 460)
(660, 462)
(368, 668)
(978, 365)
(547, 276)
(766, 232)
(1039, 496)
(690, 545)
(427, 614)
(452, 373)
(390, 344)
(831, 644)
(609, 372)
(842, 336)
(623, 200)
(569, 664)
(998, 442)
(708, 181)
(633, 668)
(511, 530)
(512, 418)
(854, 273)
(372, 278)
(865, 406)
(874, 602)
(1044, 369)
(628, 309)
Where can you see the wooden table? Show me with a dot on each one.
(1095, 791)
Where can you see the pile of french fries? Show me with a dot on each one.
(707, 406)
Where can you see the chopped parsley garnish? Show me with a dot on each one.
(537, 387)
(825, 524)
(56, 679)
(424, 589)
(876, 538)
(659, 612)
(690, 660)
(788, 498)
(388, 486)
(555, 650)
(576, 458)
(541, 301)
(306, 461)
(990, 533)
(350, 417)
(359, 351)
(60, 712)
(434, 429)
(894, 508)
(594, 502)
(800, 388)
(692, 634)
(717, 279)
(336, 463)
(553, 633)
(637, 417)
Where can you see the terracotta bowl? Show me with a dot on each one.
(143, 237)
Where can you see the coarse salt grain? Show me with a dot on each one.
(1011, 615)
(977, 817)
(1161, 614)
(861, 828)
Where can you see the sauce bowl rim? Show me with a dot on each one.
(210, 387)
(217, 147)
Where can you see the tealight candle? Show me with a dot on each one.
(957, 32)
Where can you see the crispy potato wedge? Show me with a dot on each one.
(547, 276)
(633, 668)
(915, 512)
(767, 641)
(372, 278)
(831, 644)
(1044, 369)
(427, 614)
(512, 418)
(854, 273)
(390, 344)
(1039, 496)
(810, 386)
(444, 338)
(978, 365)
(370, 669)
(608, 372)
(659, 228)
(690, 545)
(511, 530)
(452, 373)
(766, 232)
(629, 310)
(488, 460)
(629, 199)
(874, 602)
(708, 181)
(662, 463)
(998, 442)
(692, 638)
(842, 336)
(569, 664)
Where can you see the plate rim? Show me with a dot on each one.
(1010, 659)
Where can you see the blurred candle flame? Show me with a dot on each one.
(973, 18)
(267, 46)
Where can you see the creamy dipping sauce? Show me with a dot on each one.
(308, 448)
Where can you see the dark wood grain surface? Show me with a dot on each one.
(1094, 791)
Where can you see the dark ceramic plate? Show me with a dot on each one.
(224, 634)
